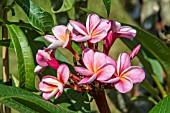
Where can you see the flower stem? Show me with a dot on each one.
(100, 99)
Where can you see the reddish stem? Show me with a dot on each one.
(100, 99)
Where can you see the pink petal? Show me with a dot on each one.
(88, 58)
(123, 62)
(135, 52)
(47, 96)
(53, 63)
(105, 72)
(99, 60)
(50, 38)
(38, 69)
(135, 73)
(103, 25)
(81, 38)
(44, 87)
(42, 57)
(127, 32)
(83, 71)
(61, 89)
(66, 40)
(115, 26)
(88, 80)
(92, 21)
(55, 45)
(112, 80)
(50, 80)
(59, 32)
(79, 27)
(98, 36)
(124, 85)
(63, 73)
(111, 61)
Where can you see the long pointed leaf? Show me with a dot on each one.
(20, 100)
(38, 18)
(24, 57)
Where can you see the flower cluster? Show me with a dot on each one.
(96, 69)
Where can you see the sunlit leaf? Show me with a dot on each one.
(24, 57)
(162, 107)
(67, 5)
(38, 18)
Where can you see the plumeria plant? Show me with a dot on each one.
(95, 70)
(67, 60)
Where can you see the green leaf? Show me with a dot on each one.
(74, 101)
(24, 58)
(67, 5)
(76, 47)
(107, 4)
(144, 98)
(26, 102)
(162, 107)
(90, 11)
(6, 43)
(71, 13)
(38, 18)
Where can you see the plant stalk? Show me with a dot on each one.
(101, 102)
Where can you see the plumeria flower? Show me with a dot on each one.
(117, 31)
(96, 29)
(96, 65)
(125, 75)
(60, 39)
(45, 59)
(51, 85)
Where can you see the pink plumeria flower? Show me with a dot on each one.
(60, 39)
(96, 29)
(125, 75)
(45, 59)
(135, 51)
(117, 31)
(51, 85)
(96, 65)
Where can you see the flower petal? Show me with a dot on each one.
(53, 63)
(83, 71)
(63, 73)
(135, 73)
(134, 51)
(111, 61)
(79, 27)
(112, 80)
(127, 32)
(103, 25)
(124, 85)
(38, 69)
(59, 32)
(47, 96)
(44, 87)
(42, 57)
(88, 80)
(123, 62)
(99, 60)
(88, 58)
(92, 21)
(54, 45)
(115, 26)
(50, 38)
(81, 38)
(51, 80)
(96, 37)
(61, 89)
(105, 72)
